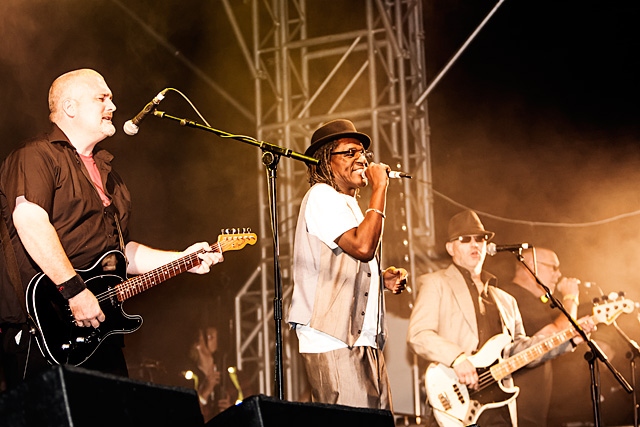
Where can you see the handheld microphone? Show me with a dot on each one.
(131, 126)
(391, 174)
(398, 174)
(493, 249)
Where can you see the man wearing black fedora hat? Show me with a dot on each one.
(337, 305)
(459, 309)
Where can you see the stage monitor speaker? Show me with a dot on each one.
(72, 396)
(264, 411)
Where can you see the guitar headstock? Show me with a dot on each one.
(607, 311)
(233, 239)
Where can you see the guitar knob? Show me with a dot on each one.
(80, 340)
(66, 346)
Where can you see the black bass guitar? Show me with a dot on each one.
(62, 342)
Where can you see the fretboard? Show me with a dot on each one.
(513, 363)
(143, 282)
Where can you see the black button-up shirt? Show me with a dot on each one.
(48, 171)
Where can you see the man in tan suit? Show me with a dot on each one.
(458, 309)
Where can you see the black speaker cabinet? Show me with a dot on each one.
(264, 411)
(72, 396)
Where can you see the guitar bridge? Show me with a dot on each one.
(444, 400)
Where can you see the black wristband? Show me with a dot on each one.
(72, 287)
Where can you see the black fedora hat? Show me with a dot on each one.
(467, 223)
(333, 130)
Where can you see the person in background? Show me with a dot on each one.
(209, 373)
(536, 383)
(572, 388)
(63, 206)
(337, 305)
(458, 309)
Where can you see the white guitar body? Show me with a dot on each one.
(452, 405)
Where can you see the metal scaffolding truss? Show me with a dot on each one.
(313, 61)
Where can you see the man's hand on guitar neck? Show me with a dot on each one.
(466, 372)
(588, 325)
(142, 259)
(86, 309)
(208, 257)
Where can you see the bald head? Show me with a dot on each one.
(544, 262)
(68, 86)
(542, 256)
(81, 106)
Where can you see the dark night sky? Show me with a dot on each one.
(537, 121)
(535, 126)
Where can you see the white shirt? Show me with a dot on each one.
(330, 214)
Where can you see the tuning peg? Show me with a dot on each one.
(596, 301)
(613, 296)
(621, 294)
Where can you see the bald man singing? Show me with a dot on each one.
(64, 206)
(535, 383)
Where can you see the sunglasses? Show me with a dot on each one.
(478, 238)
(350, 153)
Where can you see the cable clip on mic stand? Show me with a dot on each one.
(270, 157)
(591, 356)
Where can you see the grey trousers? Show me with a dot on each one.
(350, 376)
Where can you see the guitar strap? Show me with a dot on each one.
(503, 320)
(121, 239)
(114, 211)
(12, 266)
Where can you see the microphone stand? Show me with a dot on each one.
(591, 356)
(271, 154)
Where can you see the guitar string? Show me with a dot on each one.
(486, 378)
(189, 258)
(134, 281)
